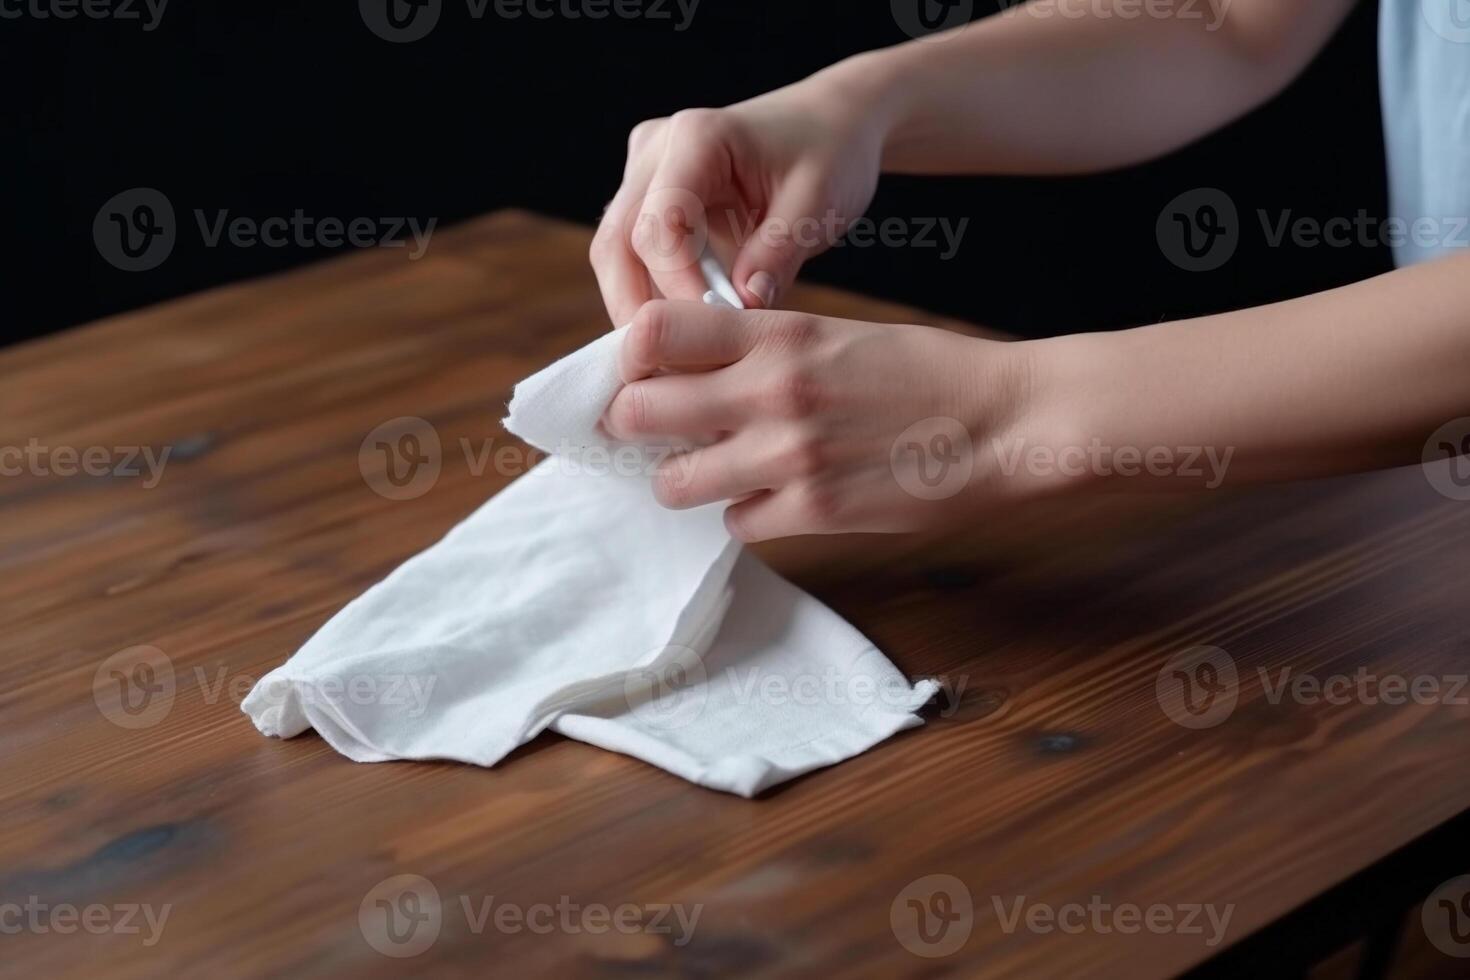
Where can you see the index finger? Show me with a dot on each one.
(667, 334)
(620, 275)
(672, 225)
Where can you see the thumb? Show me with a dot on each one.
(793, 231)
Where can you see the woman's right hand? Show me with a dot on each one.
(768, 183)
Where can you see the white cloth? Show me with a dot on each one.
(573, 600)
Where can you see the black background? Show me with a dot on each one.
(262, 108)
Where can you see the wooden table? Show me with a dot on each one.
(1054, 778)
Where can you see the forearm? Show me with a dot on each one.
(1067, 86)
(1350, 379)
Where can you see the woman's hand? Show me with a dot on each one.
(773, 181)
(817, 425)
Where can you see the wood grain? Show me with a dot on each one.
(1055, 775)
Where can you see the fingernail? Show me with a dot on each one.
(763, 284)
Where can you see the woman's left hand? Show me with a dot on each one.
(816, 425)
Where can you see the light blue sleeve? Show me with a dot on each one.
(1424, 76)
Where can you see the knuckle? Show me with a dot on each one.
(795, 393)
(696, 123)
(638, 409)
(629, 411)
(643, 133)
(738, 524)
(804, 457)
(819, 506)
(602, 246)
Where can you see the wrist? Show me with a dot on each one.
(864, 88)
(896, 86)
(1044, 447)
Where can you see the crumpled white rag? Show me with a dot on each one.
(572, 600)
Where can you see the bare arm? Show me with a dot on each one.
(1067, 86)
(1048, 87)
(1349, 379)
(827, 422)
